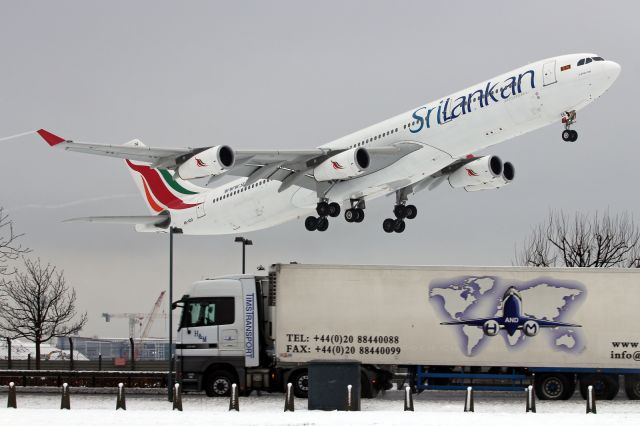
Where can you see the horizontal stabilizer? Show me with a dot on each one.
(162, 220)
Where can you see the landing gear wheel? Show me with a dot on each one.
(334, 209)
(554, 387)
(349, 215)
(311, 223)
(388, 225)
(400, 211)
(359, 215)
(605, 386)
(412, 211)
(566, 135)
(218, 383)
(322, 208)
(323, 224)
(399, 226)
(574, 136)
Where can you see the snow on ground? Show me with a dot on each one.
(20, 349)
(432, 408)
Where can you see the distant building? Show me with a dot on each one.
(93, 347)
(21, 349)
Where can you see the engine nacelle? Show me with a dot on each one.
(476, 172)
(491, 327)
(346, 165)
(508, 173)
(530, 328)
(211, 162)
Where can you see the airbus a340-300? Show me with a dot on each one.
(405, 154)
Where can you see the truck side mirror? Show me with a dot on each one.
(177, 304)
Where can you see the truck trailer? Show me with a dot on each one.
(448, 327)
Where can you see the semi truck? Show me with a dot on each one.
(447, 327)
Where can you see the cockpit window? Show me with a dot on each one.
(581, 62)
(587, 61)
(597, 58)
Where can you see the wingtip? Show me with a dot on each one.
(50, 138)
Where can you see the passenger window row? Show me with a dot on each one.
(241, 189)
(588, 60)
(375, 138)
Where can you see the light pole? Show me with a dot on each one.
(172, 231)
(245, 243)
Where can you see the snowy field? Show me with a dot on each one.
(432, 408)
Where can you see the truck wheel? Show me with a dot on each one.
(554, 386)
(218, 383)
(300, 383)
(367, 388)
(632, 386)
(605, 386)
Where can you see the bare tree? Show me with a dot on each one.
(9, 247)
(600, 241)
(37, 304)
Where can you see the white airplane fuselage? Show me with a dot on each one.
(448, 129)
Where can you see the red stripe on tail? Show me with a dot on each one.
(158, 188)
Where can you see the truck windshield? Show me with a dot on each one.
(209, 311)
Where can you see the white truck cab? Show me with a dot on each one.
(218, 333)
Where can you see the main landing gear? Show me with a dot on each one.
(568, 135)
(401, 212)
(321, 223)
(356, 212)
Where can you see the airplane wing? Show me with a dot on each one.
(479, 322)
(551, 324)
(433, 181)
(291, 167)
(137, 153)
(296, 167)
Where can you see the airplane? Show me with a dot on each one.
(403, 155)
(511, 319)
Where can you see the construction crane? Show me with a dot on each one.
(134, 319)
(152, 316)
(138, 319)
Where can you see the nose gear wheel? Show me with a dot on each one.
(568, 135)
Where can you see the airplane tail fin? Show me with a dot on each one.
(160, 188)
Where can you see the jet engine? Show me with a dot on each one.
(346, 165)
(210, 162)
(508, 173)
(530, 328)
(491, 327)
(477, 172)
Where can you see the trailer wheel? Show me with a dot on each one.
(632, 386)
(605, 386)
(554, 386)
(218, 383)
(300, 383)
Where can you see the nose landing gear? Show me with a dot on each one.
(568, 135)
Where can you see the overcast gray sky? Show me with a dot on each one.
(288, 75)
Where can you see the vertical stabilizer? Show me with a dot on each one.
(159, 188)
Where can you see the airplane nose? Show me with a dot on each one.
(611, 70)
